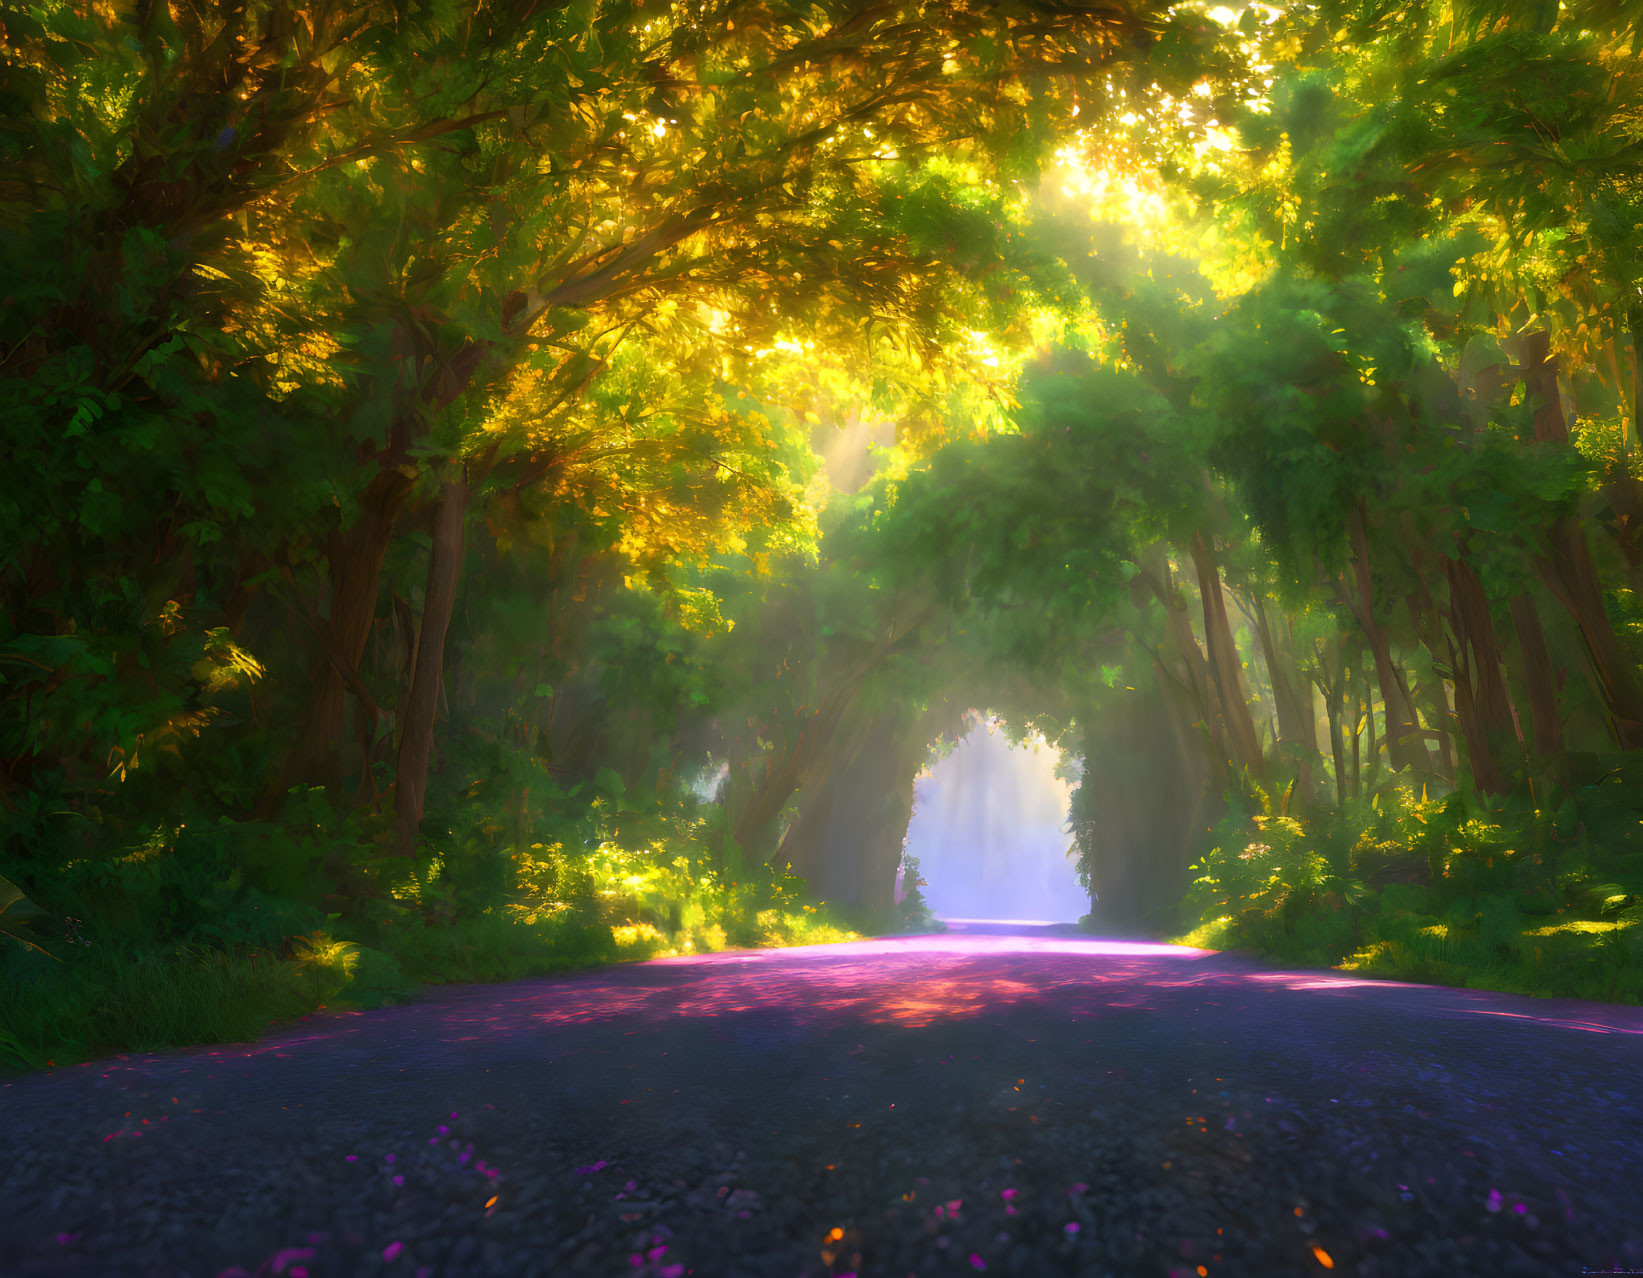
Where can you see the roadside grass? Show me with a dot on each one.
(1482, 943)
(61, 1013)
(62, 1004)
(1589, 958)
(1438, 889)
(193, 929)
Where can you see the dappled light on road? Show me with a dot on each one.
(1031, 1063)
(971, 972)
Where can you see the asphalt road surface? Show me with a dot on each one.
(1006, 1098)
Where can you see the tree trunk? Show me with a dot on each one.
(417, 735)
(1634, 326)
(1539, 679)
(1370, 748)
(1567, 572)
(807, 761)
(1567, 569)
(1200, 770)
(1427, 624)
(1439, 707)
(1439, 715)
(354, 557)
(1224, 665)
(1620, 489)
(1402, 748)
(1194, 669)
(1332, 707)
(1296, 728)
(847, 839)
(1357, 734)
(1139, 812)
(1482, 703)
(805, 765)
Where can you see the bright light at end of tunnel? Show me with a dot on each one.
(988, 831)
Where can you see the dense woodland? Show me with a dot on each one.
(495, 486)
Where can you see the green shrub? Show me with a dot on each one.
(1508, 905)
(1265, 869)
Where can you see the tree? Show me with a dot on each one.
(403, 251)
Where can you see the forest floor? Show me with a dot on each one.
(1008, 1098)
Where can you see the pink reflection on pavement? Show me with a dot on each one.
(1549, 1020)
(1311, 980)
(910, 981)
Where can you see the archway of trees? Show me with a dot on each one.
(424, 468)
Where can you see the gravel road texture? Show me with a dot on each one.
(1002, 1098)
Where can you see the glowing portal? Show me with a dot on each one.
(988, 832)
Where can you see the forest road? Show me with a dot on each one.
(1012, 1100)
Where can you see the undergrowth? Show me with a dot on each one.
(210, 932)
(1448, 890)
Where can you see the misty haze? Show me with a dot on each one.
(988, 831)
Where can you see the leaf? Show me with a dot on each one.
(17, 912)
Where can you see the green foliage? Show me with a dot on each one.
(1177, 424)
(1497, 901)
(104, 1001)
(1268, 870)
(913, 912)
(17, 916)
